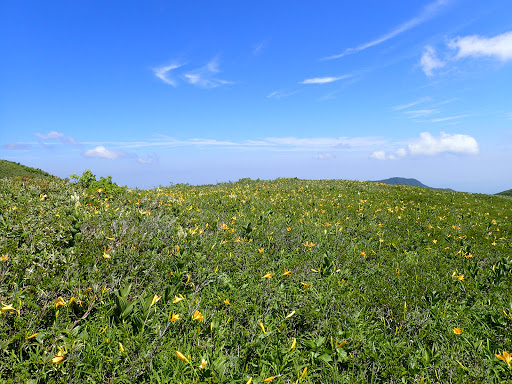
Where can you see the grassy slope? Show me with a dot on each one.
(380, 279)
(506, 193)
(11, 169)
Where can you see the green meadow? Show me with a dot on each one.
(283, 281)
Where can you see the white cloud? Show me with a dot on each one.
(148, 159)
(499, 46)
(428, 12)
(163, 73)
(429, 61)
(280, 94)
(56, 136)
(412, 104)
(449, 118)
(446, 143)
(379, 155)
(16, 146)
(258, 48)
(324, 80)
(420, 112)
(102, 152)
(204, 77)
(325, 156)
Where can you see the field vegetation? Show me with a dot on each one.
(284, 281)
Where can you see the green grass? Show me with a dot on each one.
(11, 169)
(380, 280)
(506, 193)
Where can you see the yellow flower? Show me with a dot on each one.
(8, 308)
(177, 299)
(288, 229)
(227, 302)
(341, 344)
(249, 381)
(203, 364)
(294, 343)
(286, 272)
(121, 348)
(174, 317)
(197, 316)
(4, 257)
(506, 357)
(262, 327)
(182, 357)
(269, 379)
(261, 250)
(290, 314)
(268, 276)
(315, 270)
(458, 277)
(58, 358)
(155, 299)
(304, 373)
(305, 286)
(31, 336)
(458, 331)
(60, 301)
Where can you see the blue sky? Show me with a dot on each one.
(199, 92)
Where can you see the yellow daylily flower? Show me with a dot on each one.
(177, 299)
(305, 286)
(155, 299)
(294, 343)
(32, 336)
(268, 379)
(203, 364)
(58, 358)
(458, 277)
(60, 301)
(182, 357)
(286, 272)
(197, 316)
(249, 381)
(8, 308)
(458, 331)
(505, 356)
(121, 348)
(174, 317)
(341, 344)
(227, 302)
(267, 276)
(4, 257)
(290, 314)
(262, 327)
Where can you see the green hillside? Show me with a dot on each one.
(506, 193)
(284, 281)
(11, 169)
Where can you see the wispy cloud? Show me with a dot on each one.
(104, 153)
(204, 76)
(54, 135)
(324, 80)
(324, 156)
(449, 118)
(420, 113)
(163, 73)
(499, 47)
(412, 104)
(428, 12)
(258, 48)
(16, 146)
(281, 94)
(429, 145)
(430, 62)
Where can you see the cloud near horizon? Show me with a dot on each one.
(101, 152)
(428, 145)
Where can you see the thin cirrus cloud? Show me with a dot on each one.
(412, 104)
(54, 135)
(429, 145)
(428, 12)
(202, 77)
(324, 80)
(280, 94)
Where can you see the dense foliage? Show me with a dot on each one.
(255, 281)
(12, 169)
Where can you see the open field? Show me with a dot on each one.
(279, 281)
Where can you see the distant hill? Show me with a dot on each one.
(405, 181)
(12, 169)
(506, 193)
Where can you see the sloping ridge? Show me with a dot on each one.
(402, 181)
(12, 169)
